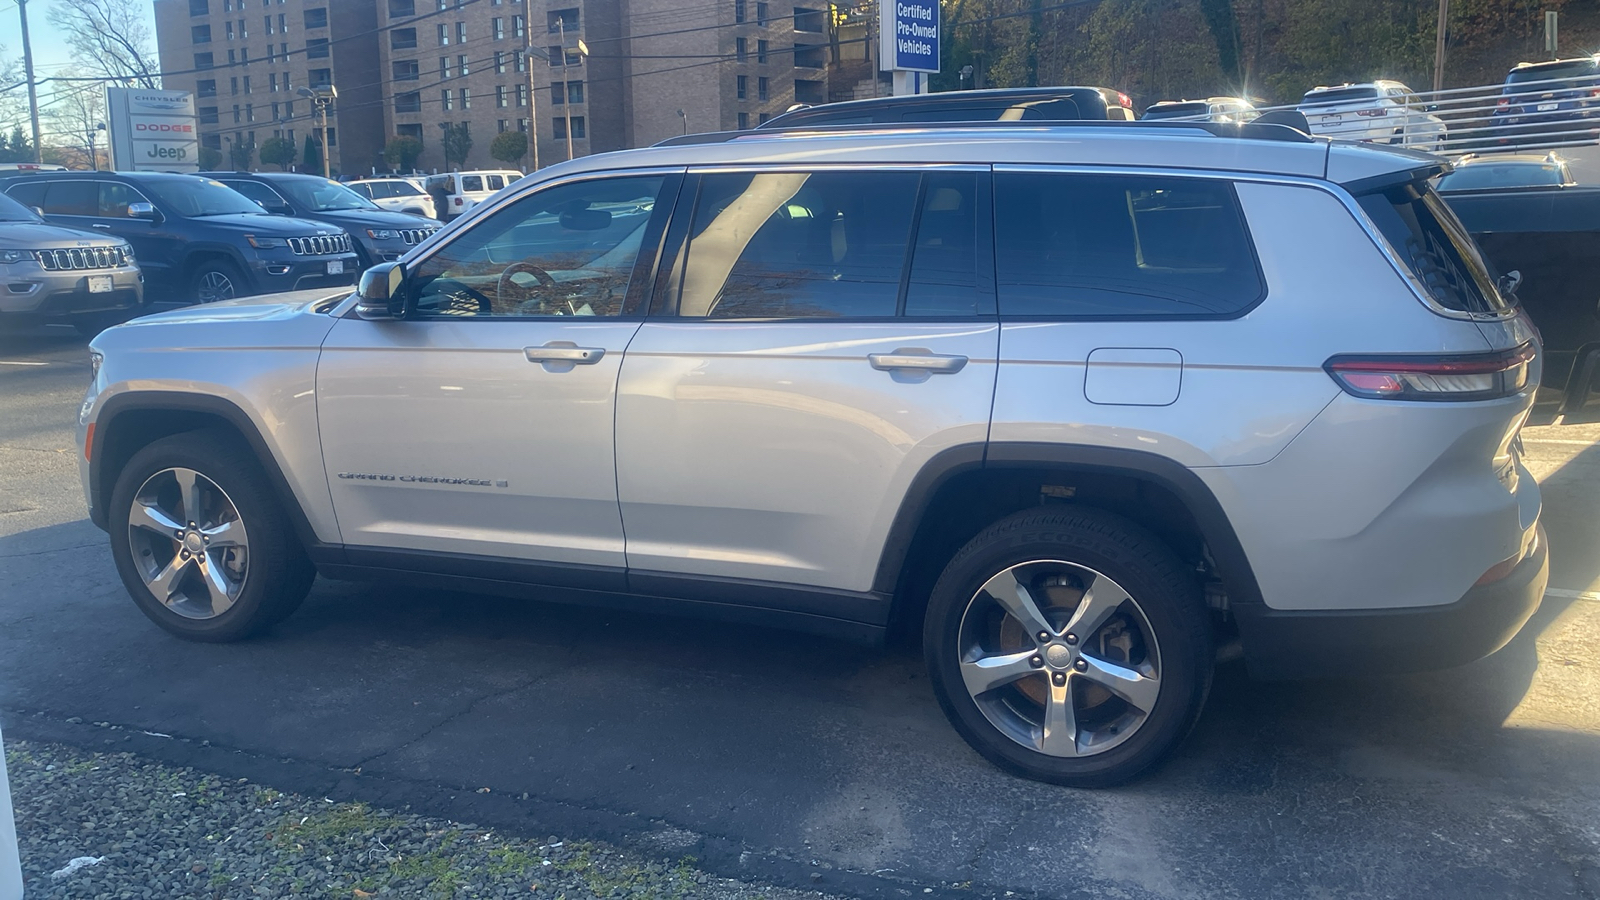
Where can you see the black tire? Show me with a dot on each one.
(204, 281)
(279, 573)
(1165, 592)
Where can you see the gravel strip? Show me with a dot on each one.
(112, 826)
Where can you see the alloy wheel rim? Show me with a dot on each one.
(189, 544)
(215, 286)
(1059, 658)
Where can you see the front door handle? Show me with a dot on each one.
(917, 359)
(564, 353)
(100, 225)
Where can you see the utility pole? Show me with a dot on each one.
(561, 23)
(33, 90)
(1438, 46)
(533, 93)
(320, 98)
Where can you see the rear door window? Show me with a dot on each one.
(496, 182)
(798, 245)
(1431, 242)
(471, 183)
(944, 262)
(72, 198)
(1073, 245)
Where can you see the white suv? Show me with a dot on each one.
(1382, 112)
(396, 195)
(1080, 403)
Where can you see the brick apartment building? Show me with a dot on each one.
(652, 69)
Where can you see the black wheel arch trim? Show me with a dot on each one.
(1234, 566)
(101, 482)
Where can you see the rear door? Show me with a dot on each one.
(821, 336)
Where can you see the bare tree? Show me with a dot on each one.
(77, 114)
(109, 38)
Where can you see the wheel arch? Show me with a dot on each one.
(130, 422)
(963, 490)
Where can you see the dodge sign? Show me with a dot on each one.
(153, 131)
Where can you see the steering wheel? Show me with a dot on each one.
(507, 288)
(453, 291)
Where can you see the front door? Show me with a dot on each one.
(483, 424)
(822, 335)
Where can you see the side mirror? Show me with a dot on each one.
(382, 292)
(38, 211)
(144, 211)
(1509, 282)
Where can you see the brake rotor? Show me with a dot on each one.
(1058, 597)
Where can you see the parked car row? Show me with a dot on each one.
(94, 247)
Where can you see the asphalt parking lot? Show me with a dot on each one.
(774, 756)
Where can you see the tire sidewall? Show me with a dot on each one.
(256, 507)
(228, 269)
(1175, 614)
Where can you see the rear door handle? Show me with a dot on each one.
(583, 356)
(917, 359)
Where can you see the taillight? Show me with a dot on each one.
(458, 201)
(1124, 101)
(1477, 376)
(1502, 103)
(1380, 111)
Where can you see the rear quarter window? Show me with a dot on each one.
(1434, 246)
(1121, 246)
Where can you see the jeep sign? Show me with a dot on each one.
(153, 131)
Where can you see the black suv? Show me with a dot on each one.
(379, 234)
(195, 238)
(1046, 104)
(1545, 102)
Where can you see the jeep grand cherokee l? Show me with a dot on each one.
(46, 271)
(1078, 401)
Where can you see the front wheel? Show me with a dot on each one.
(201, 540)
(214, 281)
(1069, 646)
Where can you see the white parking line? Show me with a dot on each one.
(7, 362)
(1572, 595)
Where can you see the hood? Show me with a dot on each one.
(262, 306)
(262, 223)
(358, 220)
(42, 236)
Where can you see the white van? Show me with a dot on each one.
(454, 193)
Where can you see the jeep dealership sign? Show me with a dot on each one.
(152, 131)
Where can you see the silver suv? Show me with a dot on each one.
(47, 271)
(1079, 404)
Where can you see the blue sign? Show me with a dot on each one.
(909, 31)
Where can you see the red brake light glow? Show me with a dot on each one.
(1124, 101)
(1478, 376)
(1380, 111)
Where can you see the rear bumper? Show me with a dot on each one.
(1320, 643)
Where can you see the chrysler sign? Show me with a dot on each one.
(909, 35)
(153, 131)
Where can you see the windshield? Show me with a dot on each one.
(12, 211)
(1343, 95)
(196, 197)
(1487, 176)
(319, 195)
(1583, 68)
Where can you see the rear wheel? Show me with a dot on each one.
(1069, 646)
(201, 541)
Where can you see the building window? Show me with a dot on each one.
(267, 21)
(444, 35)
(408, 102)
(741, 51)
(555, 56)
(499, 62)
(763, 119)
(558, 93)
(461, 65)
(317, 18)
(444, 67)
(497, 26)
(743, 87)
(761, 88)
(502, 99)
(208, 115)
(558, 19)
(461, 32)
(516, 27)
(403, 39)
(574, 92)
(808, 20)
(522, 125)
(809, 91)
(316, 48)
(233, 85)
(446, 101)
(761, 13)
(247, 84)
(520, 60)
(200, 34)
(320, 78)
(399, 9)
(229, 26)
(283, 23)
(206, 88)
(522, 95)
(504, 125)
(199, 7)
(744, 121)
(236, 114)
(808, 56)
(242, 32)
(761, 51)
(244, 55)
(406, 70)
(203, 61)
(560, 129)
(738, 11)
(333, 136)
(466, 98)
(274, 112)
(270, 57)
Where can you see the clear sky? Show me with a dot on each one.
(50, 53)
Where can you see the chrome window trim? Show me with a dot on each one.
(1337, 191)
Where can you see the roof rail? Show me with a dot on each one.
(1248, 130)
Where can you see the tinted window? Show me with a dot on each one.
(1432, 243)
(471, 183)
(1344, 95)
(1196, 111)
(402, 189)
(568, 250)
(323, 195)
(945, 261)
(72, 198)
(1117, 246)
(1582, 68)
(496, 182)
(28, 193)
(950, 113)
(264, 196)
(366, 190)
(1490, 175)
(188, 196)
(115, 197)
(798, 244)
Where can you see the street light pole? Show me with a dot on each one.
(533, 92)
(561, 23)
(320, 98)
(1438, 46)
(33, 90)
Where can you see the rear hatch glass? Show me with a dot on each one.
(1584, 69)
(1341, 95)
(1177, 110)
(1433, 245)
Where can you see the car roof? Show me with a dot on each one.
(1555, 63)
(80, 174)
(941, 98)
(1361, 84)
(1189, 146)
(1520, 158)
